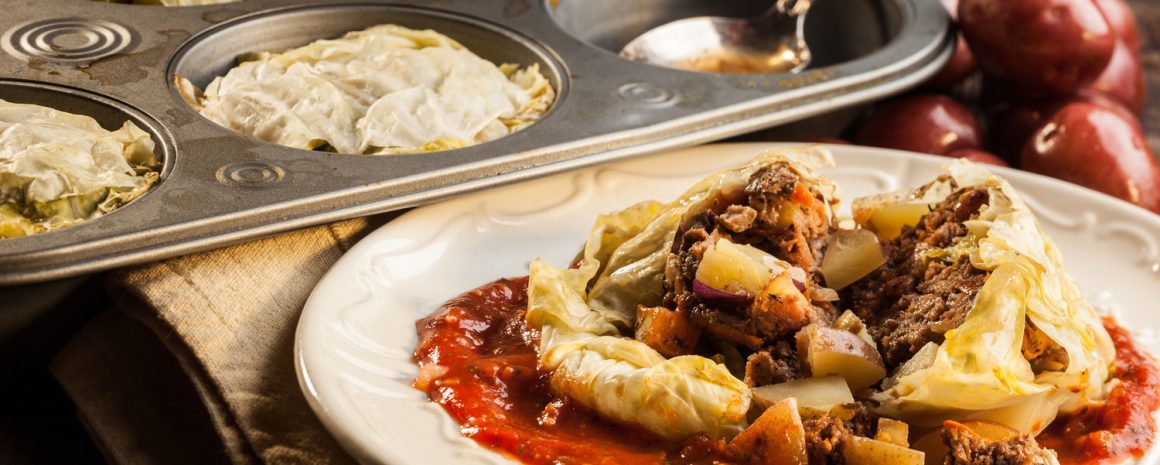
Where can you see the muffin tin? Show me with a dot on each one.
(116, 62)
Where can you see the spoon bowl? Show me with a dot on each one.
(771, 43)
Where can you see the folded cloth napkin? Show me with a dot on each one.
(195, 365)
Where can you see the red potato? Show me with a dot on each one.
(961, 65)
(1043, 47)
(1098, 148)
(1122, 21)
(1123, 79)
(962, 62)
(1015, 121)
(978, 156)
(933, 124)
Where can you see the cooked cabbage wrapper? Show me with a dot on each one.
(382, 90)
(583, 313)
(58, 168)
(979, 371)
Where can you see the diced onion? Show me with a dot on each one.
(708, 292)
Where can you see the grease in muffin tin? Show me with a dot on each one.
(383, 90)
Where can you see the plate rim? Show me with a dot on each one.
(364, 451)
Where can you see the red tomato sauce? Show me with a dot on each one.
(1122, 426)
(478, 360)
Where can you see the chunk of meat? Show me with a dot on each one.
(738, 218)
(825, 435)
(968, 448)
(763, 216)
(777, 364)
(914, 299)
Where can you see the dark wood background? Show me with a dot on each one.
(39, 426)
(1148, 17)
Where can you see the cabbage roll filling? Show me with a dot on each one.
(913, 300)
(719, 277)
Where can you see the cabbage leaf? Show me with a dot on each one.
(582, 312)
(980, 372)
(383, 90)
(58, 168)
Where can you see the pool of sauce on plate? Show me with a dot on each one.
(478, 360)
(1121, 427)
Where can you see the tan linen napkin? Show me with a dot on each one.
(196, 364)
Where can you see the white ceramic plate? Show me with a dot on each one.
(357, 332)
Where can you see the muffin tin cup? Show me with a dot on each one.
(219, 187)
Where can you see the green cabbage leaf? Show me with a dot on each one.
(58, 168)
(980, 372)
(584, 311)
(383, 90)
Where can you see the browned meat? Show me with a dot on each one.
(824, 435)
(778, 364)
(765, 216)
(911, 300)
(738, 218)
(968, 448)
(1043, 353)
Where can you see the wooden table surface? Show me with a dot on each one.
(1148, 18)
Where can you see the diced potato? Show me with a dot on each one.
(850, 322)
(776, 438)
(893, 431)
(851, 255)
(670, 332)
(921, 359)
(831, 351)
(888, 220)
(865, 451)
(733, 267)
(821, 393)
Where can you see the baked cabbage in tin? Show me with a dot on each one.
(979, 371)
(58, 168)
(584, 312)
(383, 90)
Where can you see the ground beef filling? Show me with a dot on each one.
(912, 300)
(968, 448)
(762, 215)
(825, 436)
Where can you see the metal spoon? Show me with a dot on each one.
(771, 43)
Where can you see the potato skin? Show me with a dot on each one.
(1122, 21)
(1015, 120)
(933, 124)
(1098, 148)
(1123, 79)
(1043, 47)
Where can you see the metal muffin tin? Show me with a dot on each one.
(117, 62)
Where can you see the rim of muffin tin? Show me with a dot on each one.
(247, 167)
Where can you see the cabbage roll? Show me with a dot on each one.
(973, 310)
